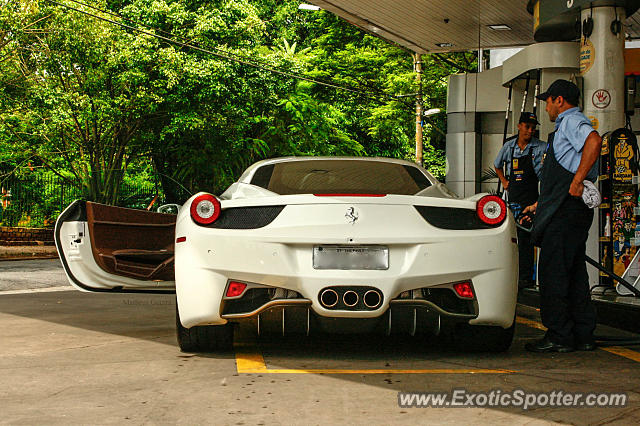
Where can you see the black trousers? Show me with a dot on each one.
(565, 302)
(525, 256)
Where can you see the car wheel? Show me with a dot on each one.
(483, 338)
(204, 338)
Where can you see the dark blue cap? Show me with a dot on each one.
(528, 117)
(564, 88)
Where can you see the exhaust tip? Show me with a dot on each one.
(372, 299)
(329, 298)
(350, 298)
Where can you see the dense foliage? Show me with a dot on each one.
(101, 105)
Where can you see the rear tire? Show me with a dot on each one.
(483, 338)
(204, 338)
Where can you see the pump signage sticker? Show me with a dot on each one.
(601, 98)
(587, 56)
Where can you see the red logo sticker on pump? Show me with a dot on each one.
(601, 98)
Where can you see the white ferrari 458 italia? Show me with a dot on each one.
(311, 244)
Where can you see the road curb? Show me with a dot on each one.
(28, 258)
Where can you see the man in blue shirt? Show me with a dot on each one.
(562, 223)
(522, 155)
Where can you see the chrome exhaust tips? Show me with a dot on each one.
(350, 298)
(329, 298)
(372, 299)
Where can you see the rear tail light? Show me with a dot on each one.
(235, 289)
(464, 290)
(205, 209)
(491, 209)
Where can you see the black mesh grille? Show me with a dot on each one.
(451, 218)
(246, 217)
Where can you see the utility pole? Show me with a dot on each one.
(417, 67)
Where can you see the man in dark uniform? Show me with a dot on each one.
(523, 156)
(562, 222)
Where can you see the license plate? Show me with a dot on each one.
(351, 257)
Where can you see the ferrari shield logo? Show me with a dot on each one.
(351, 215)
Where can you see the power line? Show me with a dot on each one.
(223, 51)
(220, 52)
(168, 34)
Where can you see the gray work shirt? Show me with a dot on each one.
(534, 148)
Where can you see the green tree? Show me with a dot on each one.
(97, 103)
(80, 96)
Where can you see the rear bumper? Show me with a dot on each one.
(280, 255)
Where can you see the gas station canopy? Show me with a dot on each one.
(430, 26)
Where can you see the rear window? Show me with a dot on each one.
(340, 177)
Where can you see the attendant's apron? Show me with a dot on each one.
(523, 183)
(554, 189)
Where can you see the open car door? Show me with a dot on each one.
(113, 249)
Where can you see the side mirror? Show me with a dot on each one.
(169, 209)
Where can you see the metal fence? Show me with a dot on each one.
(37, 201)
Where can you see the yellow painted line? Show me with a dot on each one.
(531, 323)
(249, 359)
(375, 371)
(624, 352)
(617, 350)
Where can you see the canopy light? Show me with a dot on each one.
(500, 27)
(445, 44)
(305, 6)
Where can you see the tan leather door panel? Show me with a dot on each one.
(132, 243)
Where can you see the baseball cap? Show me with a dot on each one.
(528, 117)
(564, 88)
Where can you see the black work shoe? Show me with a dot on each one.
(546, 345)
(590, 346)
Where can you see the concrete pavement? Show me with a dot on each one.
(68, 357)
(27, 274)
